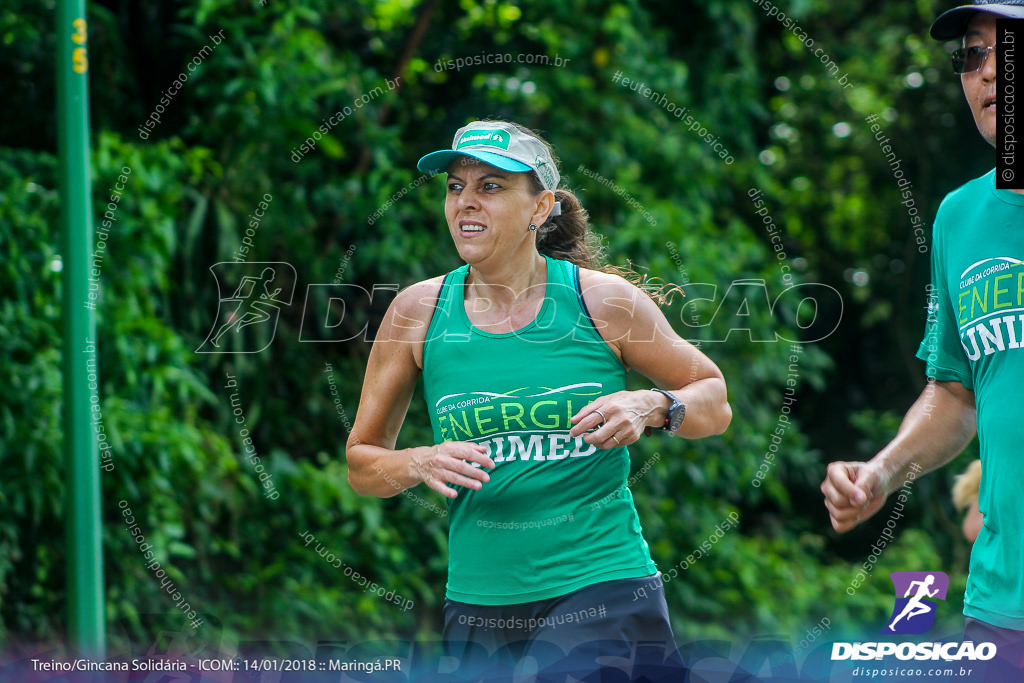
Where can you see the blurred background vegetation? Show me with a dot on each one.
(226, 139)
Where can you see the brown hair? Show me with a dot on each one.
(569, 237)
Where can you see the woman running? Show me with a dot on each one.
(523, 353)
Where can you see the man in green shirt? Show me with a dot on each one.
(974, 350)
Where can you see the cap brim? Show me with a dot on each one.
(438, 162)
(953, 24)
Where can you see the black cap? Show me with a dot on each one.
(953, 24)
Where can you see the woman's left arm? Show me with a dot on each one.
(636, 329)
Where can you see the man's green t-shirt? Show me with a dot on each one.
(975, 336)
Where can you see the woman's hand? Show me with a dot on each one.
(449, 463)
(619, 419)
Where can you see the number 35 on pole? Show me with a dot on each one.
(79, 58)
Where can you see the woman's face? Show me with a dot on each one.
(489, 211)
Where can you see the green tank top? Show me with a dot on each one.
(557, 514)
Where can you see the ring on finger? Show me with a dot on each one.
(603, 418)
(616, 439)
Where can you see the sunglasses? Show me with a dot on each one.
(968, 59)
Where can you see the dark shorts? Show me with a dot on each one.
(1009, 643)
(621, 624)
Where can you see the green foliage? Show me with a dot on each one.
(228, 138)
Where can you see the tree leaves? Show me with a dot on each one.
(230, 135)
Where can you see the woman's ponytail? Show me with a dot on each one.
(569, 237)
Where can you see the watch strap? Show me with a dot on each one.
(676, 403)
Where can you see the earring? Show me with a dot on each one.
(533, 227)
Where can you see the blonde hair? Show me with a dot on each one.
(965, 490)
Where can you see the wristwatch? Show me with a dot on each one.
(676, 413)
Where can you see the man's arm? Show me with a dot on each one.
(937, 427)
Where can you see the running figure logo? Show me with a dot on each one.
(252, 303)
(914, 612)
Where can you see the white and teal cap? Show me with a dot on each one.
(499, 144)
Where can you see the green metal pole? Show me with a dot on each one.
(86, 630)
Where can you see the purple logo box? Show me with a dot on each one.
(917, 594)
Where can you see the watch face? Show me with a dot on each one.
(676, 418)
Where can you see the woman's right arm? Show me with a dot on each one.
(396, 359)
